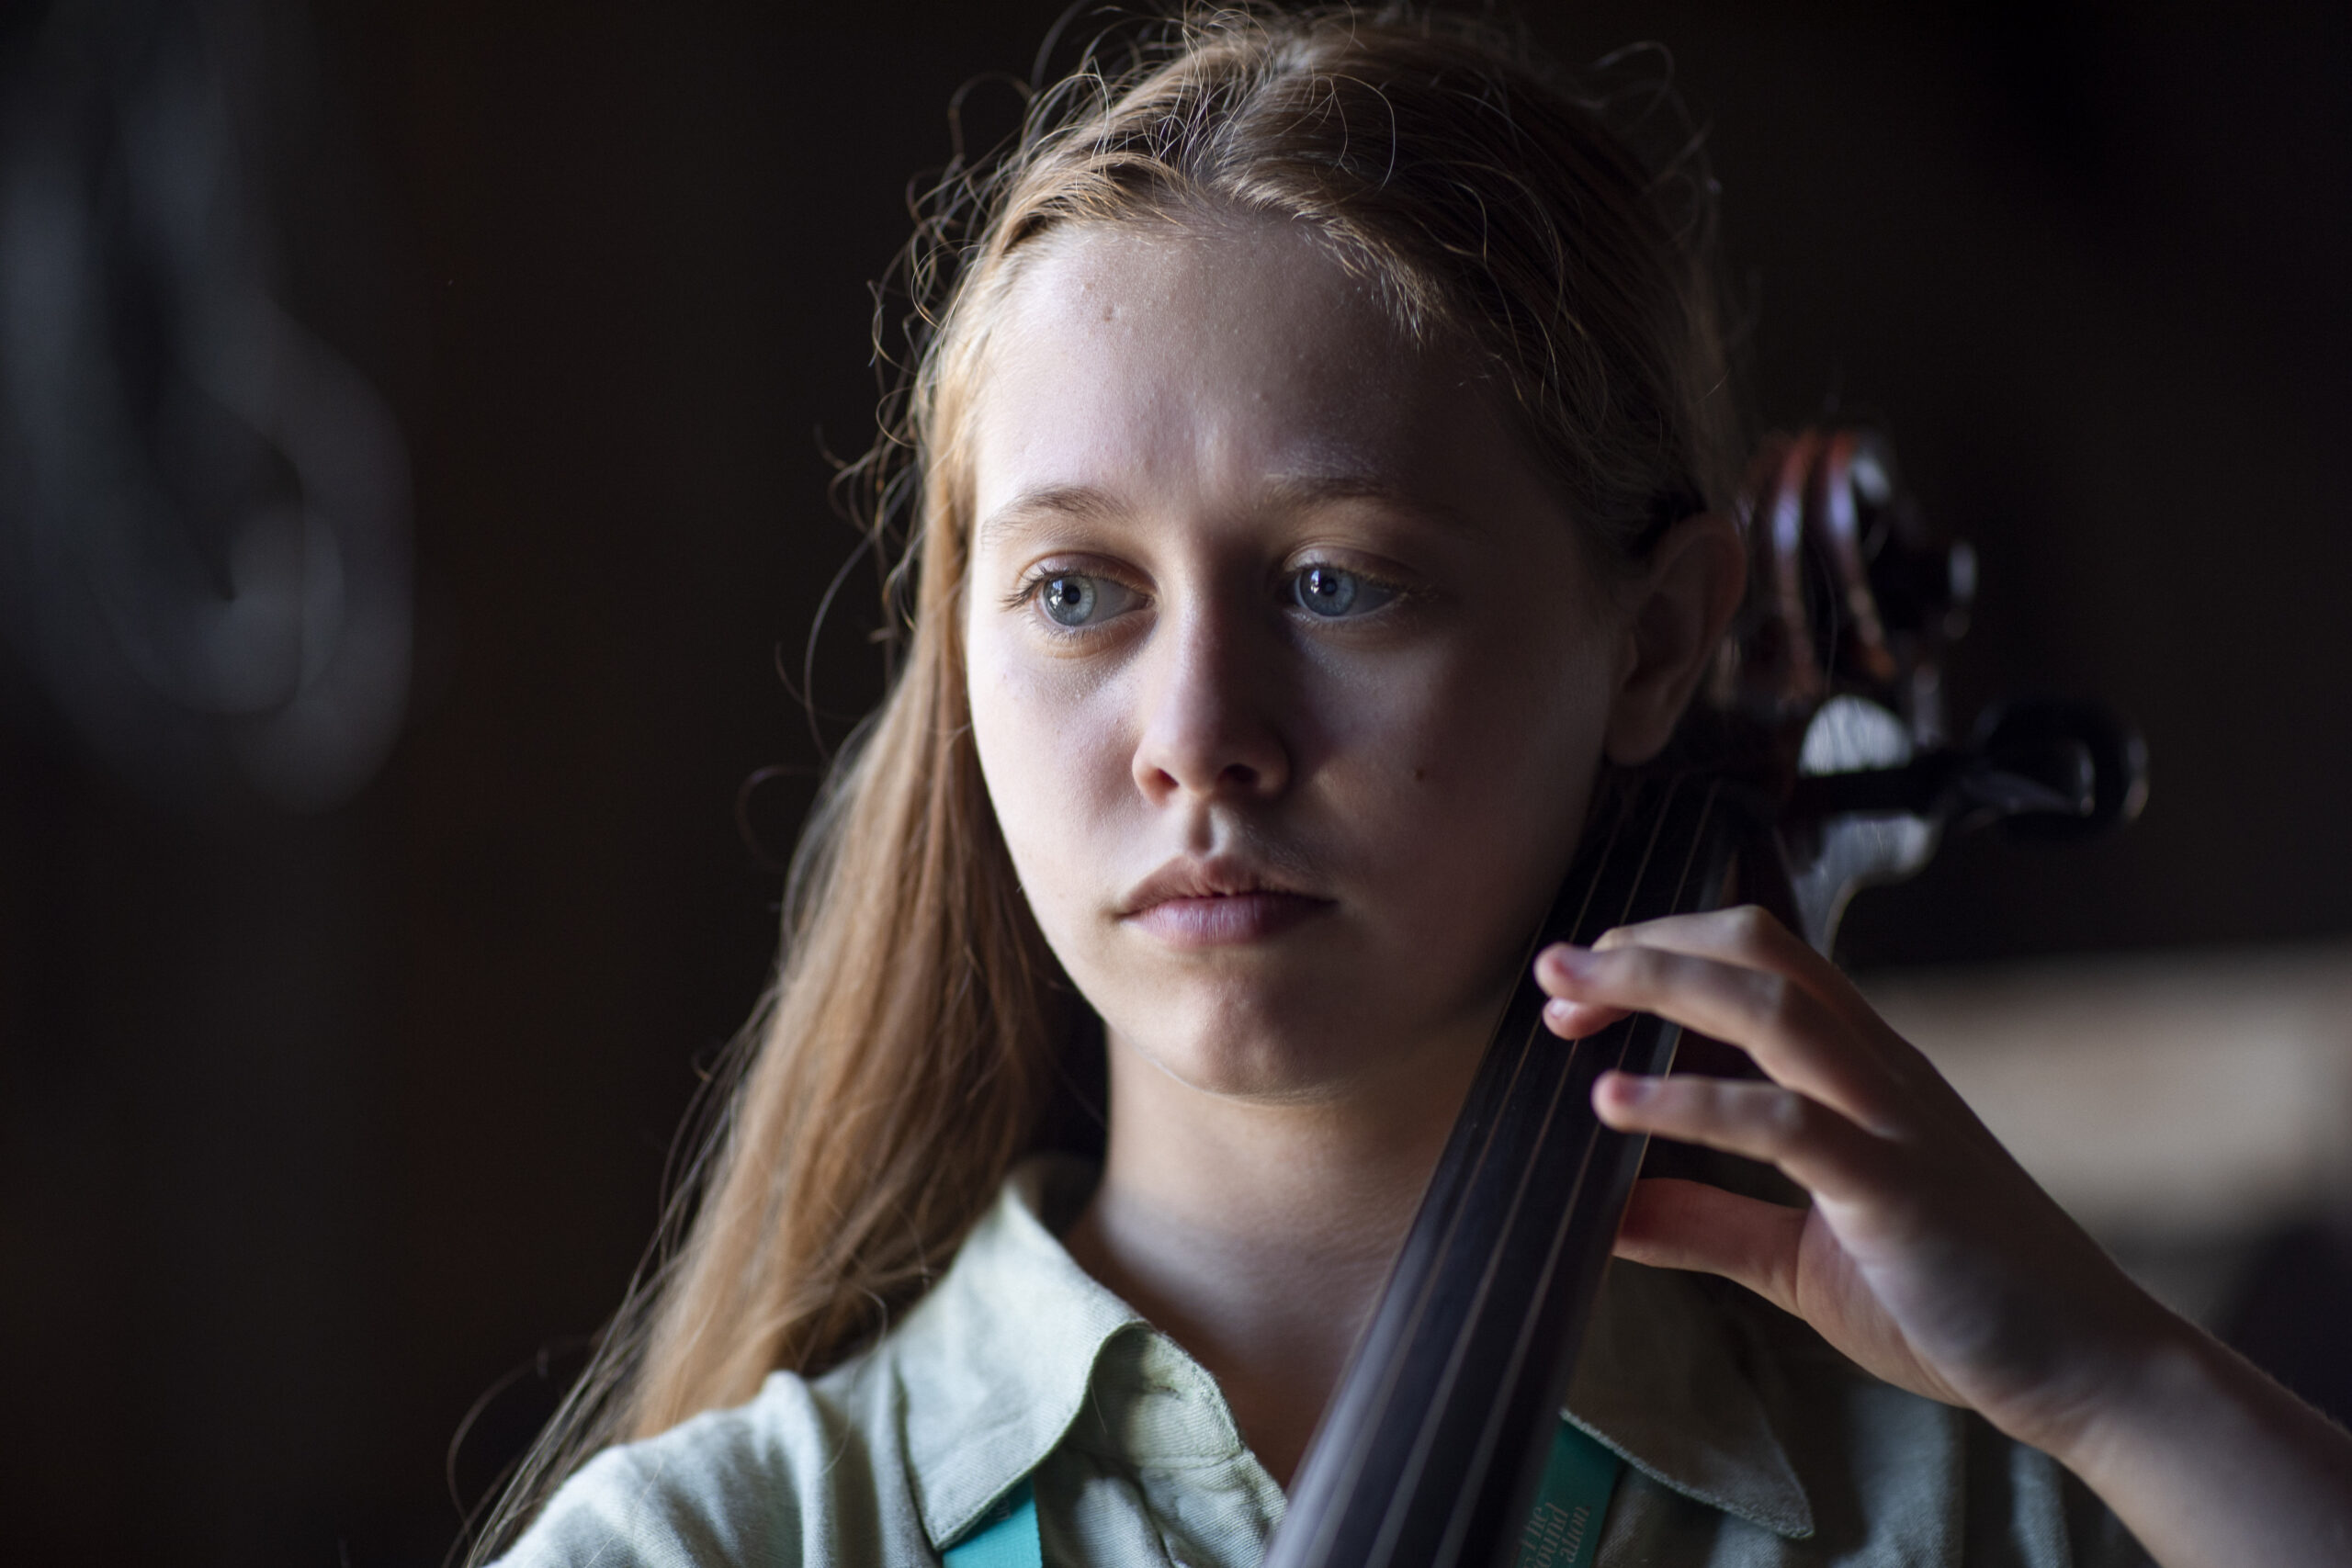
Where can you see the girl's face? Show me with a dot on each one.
(1289, 673)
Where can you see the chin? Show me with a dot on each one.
(1259, 1053)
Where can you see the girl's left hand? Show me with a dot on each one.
(1929, 1255)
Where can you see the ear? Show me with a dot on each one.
(1685, 599)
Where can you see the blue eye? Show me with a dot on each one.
(1070, 601)
(1332, 591)
(1075, 599)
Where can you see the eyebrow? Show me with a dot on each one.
(1081, 502)
(1300, 490)
(1284, 492)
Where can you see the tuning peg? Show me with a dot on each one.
(2026, 737)
(2046, 768)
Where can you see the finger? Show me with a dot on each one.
(1797, 1041)
(1672, 1224)
(1574, 1021)
(1813, 1146)
(1749, 935)
(1752, 937)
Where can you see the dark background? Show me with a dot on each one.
(318, 1124)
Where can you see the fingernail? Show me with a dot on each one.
(1632, 1088)
(1568, 958)
(1558, 1011)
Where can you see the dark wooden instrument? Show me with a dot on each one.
(1818, 765)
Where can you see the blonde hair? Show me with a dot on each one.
(919, 1031)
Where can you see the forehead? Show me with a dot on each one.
(1221, 354)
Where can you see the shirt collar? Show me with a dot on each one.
(995, 1363)
(1662, 1382)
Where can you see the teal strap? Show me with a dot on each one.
(1005, 1538)
(1580, 1477)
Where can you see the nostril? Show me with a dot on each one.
(1192, 745)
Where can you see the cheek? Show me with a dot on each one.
(1495, 723)
(1050, 752)
(1469, 793)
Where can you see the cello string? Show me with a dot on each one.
(1358, 1452)
(1393, 1519)
(1677, 889)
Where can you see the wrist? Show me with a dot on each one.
(2161, 1378)
(2105, 1363)
(2210, 1462)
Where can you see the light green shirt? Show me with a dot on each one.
(1747, 1442)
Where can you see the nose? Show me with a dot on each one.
(1210, 729)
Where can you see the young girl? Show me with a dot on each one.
(1315, 473)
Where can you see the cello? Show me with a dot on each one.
(1819, 765)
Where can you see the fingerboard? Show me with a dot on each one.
(1433, 1448)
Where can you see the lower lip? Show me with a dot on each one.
(1229, 921)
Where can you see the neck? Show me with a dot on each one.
(1258, 1234)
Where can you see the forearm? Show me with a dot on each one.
(2213, 1465)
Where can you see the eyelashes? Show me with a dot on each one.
(1077, 600)
(1071, 601)
(1333, 593)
